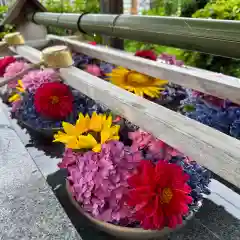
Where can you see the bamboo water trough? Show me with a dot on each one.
(216, 151)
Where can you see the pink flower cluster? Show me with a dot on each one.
(13, 69)
(171, 59)
(34, 79)
(99, 180)
(154, 148)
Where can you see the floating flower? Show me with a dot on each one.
(217, 113)
(88, 133)
(53, 100)
(138, 83)
(159, 194)
(151, 147)
(199, 177)
(81, 60)
(13, 69)
(16, 105)
(93, 43)
(94, 70)
(34, 79)
(99, 180)
(81, 103)
(4, 62)
(171, 59)
(148, 54)
(106, 67)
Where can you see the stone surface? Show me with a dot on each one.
(28, 208)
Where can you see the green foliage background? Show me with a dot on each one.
(218, 9)
(65, 6)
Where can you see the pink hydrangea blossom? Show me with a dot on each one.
(99, 180)
(69, 158)
(94, 70)
(153, 147)
(14, 68)
(34, 79)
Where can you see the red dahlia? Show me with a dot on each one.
(4, 63)
(53, 100)
(93, 43)
(148, 54)
(159, 194)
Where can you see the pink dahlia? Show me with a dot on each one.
(34, 79)
(94, 70)
(99, 180)
(153, 147)
(13, 69)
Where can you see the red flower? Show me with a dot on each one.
(53, 100)
(93, 43)
(4, 62)
(148, 54)
(159, 194)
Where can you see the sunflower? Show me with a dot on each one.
(17, 96)
(88, 133)
(136, 82)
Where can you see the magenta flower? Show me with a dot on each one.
(14, 68)
(171, 59)
(94, 70)
(34, 79)
(99, 180)
(16, 105)
(69, 158)
(154, 148)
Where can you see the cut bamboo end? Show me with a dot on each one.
(57, 57)
(14, 39)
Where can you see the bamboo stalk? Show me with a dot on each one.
(219, 37)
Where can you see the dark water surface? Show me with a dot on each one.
(219, 218)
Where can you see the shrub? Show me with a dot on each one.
(219, 9)
(66, 6)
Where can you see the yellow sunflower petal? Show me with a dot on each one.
(88, 142)
(20, 89)
(69, 129)
(82, 124)
(96, 122)
(97, 148)
(20, 83)
(69, 141)
(72, 143)
(109, 134)
(14, 98)
(107, 122)
(115, 129)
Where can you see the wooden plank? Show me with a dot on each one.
(215, 150)
(215, 84)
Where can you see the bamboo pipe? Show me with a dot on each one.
(219, 37)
